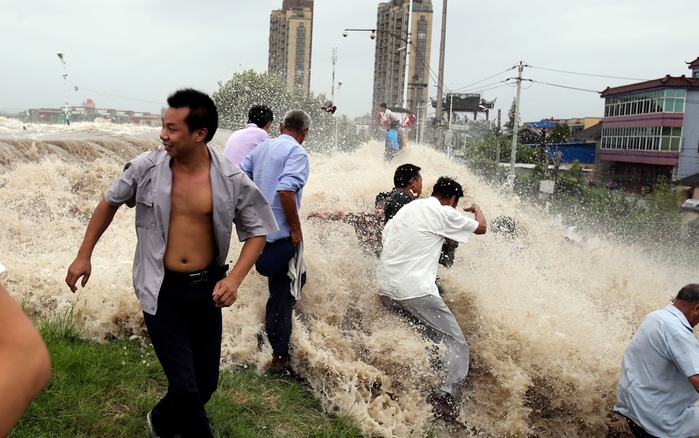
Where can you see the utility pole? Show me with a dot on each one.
(497, 149)
(334, 61)
(515, 128)
(332, 92)
(65, 86)
(440, 79)
(407, 56)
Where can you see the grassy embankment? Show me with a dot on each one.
(105, 390)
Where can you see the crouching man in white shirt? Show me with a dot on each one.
(412, 242)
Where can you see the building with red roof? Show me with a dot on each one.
(650, 130)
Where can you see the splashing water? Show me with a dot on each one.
(547, 320)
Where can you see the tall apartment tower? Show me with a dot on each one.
(389, 58)
(290, 35)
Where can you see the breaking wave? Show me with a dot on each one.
(547, 320)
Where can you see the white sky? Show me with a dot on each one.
(145, 49)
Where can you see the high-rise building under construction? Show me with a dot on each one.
(394, 27)
(290, 35)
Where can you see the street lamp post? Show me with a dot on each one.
(339, 84)
(440, 77)
(65, 86)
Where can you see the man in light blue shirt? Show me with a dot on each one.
(659, 384)
(280, 168)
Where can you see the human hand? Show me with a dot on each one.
(81, 267)
(472, 209)
(226, 292)
(296, 237)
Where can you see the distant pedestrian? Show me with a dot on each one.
(242, 141)
(394, 123)
(392, 146)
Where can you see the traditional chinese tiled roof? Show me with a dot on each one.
(666, 82)
(694, 63)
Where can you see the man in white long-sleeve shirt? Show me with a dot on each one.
(412, 243)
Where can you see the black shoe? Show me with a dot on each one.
(151, 429)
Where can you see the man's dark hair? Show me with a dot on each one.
(689, 294)
(446, 188)
(383, 105)
(202, 110)
(381, 197)
(260, 115)
(296, 121)
(404, 174)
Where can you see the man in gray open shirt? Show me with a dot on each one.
(659, 384)
(187, 198)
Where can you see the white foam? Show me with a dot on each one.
(547, 320)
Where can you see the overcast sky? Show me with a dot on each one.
(130, 54)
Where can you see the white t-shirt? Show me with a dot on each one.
(412, 242)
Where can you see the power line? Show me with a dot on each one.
(564, 86)
(483, 80)
(108, 95)
(589, 74)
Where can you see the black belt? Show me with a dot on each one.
(196, 277)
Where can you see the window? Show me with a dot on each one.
(421, 44)
(421, 35)
(423, 17)
(654, 138)
(422, 26)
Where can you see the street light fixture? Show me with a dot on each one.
(405, 39)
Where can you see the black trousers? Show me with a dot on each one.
(273, 263)
(186, 336)
(638, 431)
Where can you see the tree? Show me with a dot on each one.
(235, 97)
(558, 134)
(243, 90)
(486, 148)
(510, 124)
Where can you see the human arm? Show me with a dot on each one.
(226, 291)
(24, 361)
(695, 381)
(246, 165)
(99, 222)
(482, 224)
(288, 201)
(336, 215)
